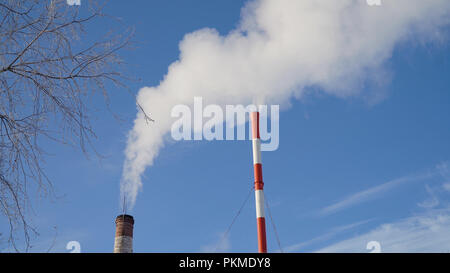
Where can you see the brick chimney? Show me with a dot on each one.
(123, 242)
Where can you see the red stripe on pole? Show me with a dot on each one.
(254, 116)
(262, 244)
(257, 168)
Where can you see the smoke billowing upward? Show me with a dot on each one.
(280, 48)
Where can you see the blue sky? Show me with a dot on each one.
(348, 170)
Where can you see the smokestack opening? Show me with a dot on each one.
(123, 242)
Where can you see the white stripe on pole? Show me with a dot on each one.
(256, 150)
(259, 196)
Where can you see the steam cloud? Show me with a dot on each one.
(279, 50)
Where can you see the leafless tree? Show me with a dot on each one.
(47, 73)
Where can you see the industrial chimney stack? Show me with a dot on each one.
(124, 234)
(259, 184)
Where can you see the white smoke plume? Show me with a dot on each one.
(280, 49)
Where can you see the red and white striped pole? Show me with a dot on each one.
(259, 184)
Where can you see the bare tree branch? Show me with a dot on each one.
(46, 74)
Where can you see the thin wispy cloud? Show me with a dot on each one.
(222, 244)
(433, 199)
(447, 186)
(374, 192)
(333, 232)
(444, 169)
(429, 232)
